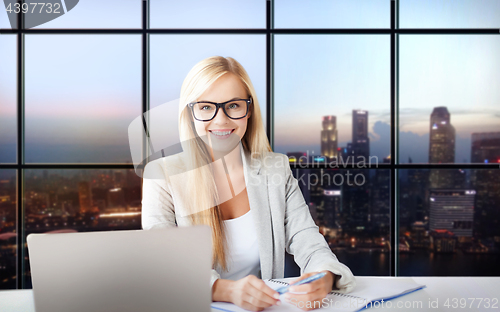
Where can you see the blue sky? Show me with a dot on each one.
(341, 73)
(82, 91)
(94, 14)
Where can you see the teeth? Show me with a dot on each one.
(221, 133)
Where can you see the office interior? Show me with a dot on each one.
(387, 110)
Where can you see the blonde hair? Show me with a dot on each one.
(199, 79)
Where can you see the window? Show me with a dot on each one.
(337, 95)
(8, 91)
(449, 14)
(352, 210)
(449, 222)
(199, 14)
(171, 58)
(9, 226)
(387, 110)
(79, 200)
(332, 14)
(81, 91)
(86, 14)
(448, 100)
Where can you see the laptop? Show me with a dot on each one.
(164, 270)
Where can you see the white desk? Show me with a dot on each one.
(438, 290)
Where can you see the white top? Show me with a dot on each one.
(243, 249)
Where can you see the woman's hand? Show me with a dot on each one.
(314, 292)
(249, 293)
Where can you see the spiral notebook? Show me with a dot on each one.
(368, 291)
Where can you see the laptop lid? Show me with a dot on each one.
(140, 270)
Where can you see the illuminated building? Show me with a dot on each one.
(487, 214)
(442, 149)
(387, 160)
(297, 157)
(332, 207)
(329, 137)
(360, 139)
(356, 200)
(85, 197)
(418, 184)
(442, 137)
(116, 200)
(452, 210)
(381, 199)
(443, 241)
(37, 202)
(344, 153)
(119, 180)
(120, 220)
(419, 235)
(485, 147)
(314, 190)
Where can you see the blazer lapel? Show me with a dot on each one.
(258, 197)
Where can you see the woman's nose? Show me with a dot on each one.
(221, 117)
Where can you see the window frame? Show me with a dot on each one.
(145, 31)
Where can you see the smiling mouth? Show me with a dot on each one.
(221, 133)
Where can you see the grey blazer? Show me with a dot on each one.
(281, 216)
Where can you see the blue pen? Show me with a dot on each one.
(310, 279)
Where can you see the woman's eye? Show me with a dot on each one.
(232, 106)
(206, 107)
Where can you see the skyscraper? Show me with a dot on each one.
(85, 197)
(329, 137)
(381, 199)
(356, 200)
(332, 207)
(442, 137)
(414, 197)
(116, 200)
(485, 147)
(442, 148)
(486, 212)
(452, 210)
(360, 139)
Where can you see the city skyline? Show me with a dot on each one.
(352, 217)
(435, 148)
(412, 146)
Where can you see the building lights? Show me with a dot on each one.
(332, 192)
(119, 214)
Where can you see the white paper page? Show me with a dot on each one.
(376, 288)
(226, 306)
(367, 289)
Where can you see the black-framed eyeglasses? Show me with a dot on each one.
(234, 109)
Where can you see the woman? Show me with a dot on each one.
(228, 177)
